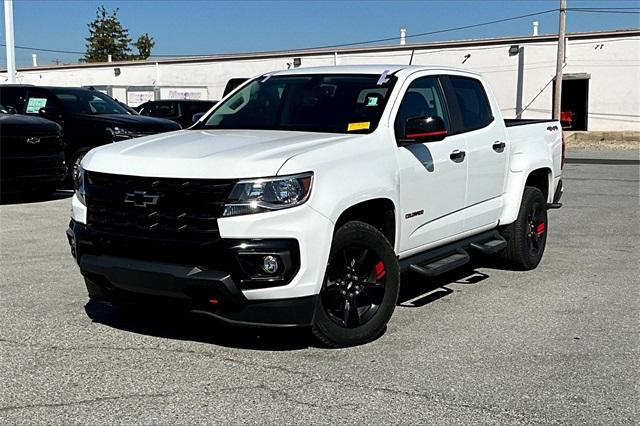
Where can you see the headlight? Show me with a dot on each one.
(260, 195)
(118, 133)
(79, 184)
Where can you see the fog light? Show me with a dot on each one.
(270, 264)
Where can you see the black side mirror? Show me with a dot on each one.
(424, 129)
(197, 116)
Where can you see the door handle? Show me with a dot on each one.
(457, 156)
(498, 146)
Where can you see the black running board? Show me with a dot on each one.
(445, 264)
(490, 247)
(488, 242)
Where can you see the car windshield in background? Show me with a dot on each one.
(80, 101)
(316, 103)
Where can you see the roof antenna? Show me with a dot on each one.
(411, 59)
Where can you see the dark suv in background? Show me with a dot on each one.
(31, 154)
(89, 118)
(181, 111)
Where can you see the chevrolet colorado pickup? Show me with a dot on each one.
(300, 198)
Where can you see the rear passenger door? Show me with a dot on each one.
(487, 149)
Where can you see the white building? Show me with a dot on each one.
(601, 85)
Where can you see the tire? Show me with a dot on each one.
(352, 309)
(527, 236)
(75, 163)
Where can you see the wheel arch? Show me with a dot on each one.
(540, 177)
(377, 212)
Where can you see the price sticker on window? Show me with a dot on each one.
(34, 105)
(358, 126)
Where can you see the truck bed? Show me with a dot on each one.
(512, 122)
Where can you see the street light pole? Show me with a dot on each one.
(10, 42)
(557, 105)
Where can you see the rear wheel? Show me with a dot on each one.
(360, 289)
(527, 236)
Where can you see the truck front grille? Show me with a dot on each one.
(46, 144)
(155, 208)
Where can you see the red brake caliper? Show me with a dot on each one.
(540, 229)
(379, 270)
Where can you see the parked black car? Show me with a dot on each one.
(31, 153)
(180, 111)
(89, 118)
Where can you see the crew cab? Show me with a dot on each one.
(89, 118)
(300, 198)
(31, 154)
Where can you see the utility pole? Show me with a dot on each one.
(560, 60)
(10, 41)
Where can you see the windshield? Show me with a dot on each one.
(317, 103)
(81, 101)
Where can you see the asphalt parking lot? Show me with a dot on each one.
(556, 345)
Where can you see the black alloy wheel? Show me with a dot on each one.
(537, 226)
(77, 159)
(527, 236)
(360, 289)
(354, 287)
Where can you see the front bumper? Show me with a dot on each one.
(210, 292)
(115, 275)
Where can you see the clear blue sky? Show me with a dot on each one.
(205, 27)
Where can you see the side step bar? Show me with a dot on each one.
(445, 258)
(440, 266)
(491, 246)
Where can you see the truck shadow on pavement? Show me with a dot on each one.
(32, 198)
(415, 292)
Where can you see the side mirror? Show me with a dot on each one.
(197, 116)
(424, 129)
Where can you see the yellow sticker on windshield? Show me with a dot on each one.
(358, 126)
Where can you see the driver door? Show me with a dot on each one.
(433, 174)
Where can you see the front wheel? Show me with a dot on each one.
(360, 289)
(75, 163)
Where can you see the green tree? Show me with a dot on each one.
(107, 36)
(144, 44)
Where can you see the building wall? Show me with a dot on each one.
(613, 65)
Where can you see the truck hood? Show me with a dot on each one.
(211, 154)
(134, 122)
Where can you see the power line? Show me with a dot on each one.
(622, 10)
(380, 40)
(464, 27)
(37, 49)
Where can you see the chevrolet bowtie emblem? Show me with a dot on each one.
(141, 199)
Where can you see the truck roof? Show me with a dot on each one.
(366, 69)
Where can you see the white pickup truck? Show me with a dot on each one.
(300, 198)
